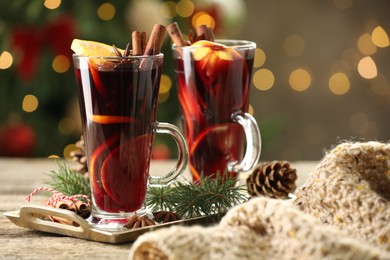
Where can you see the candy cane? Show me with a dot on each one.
(58, 196)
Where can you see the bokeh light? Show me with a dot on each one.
(380, 86)
(67, 126)
(379, 37)
(300, 80)
(263, 79)
(162, 98)
(314, 133)
(61, 64)
(367, 68)
(260, 58)
(339, 83)
(185, 8)
(165, 84)
(365, 45)
(251, 111)
(168, 9)
(294, 45)
(203, 18)
(53, 156)
(68, 149)
(343, 4)
(106, 11)
(30, 103)
(6, 60)
(360, 124)
(52, 4)
(356, 121)
(351, 58)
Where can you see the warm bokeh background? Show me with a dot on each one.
(321, 71)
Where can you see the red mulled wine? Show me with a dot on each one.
(213, 84)
(118, 102)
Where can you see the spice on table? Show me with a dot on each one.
(165, 216)
(138, 221)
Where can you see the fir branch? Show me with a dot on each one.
(68, 181)
(207, 197)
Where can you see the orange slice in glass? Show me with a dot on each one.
(97, 157)
(219, 145)
(212, 59)
(213, 51)
(97, 80)
(124, 172)
(112, 119)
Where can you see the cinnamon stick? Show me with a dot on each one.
(143, 41)
(65, 204)
(205, 33)
(156, 39)
(176, 35)
(136, 42)
(82, 209)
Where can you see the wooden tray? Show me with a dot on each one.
(28, 217)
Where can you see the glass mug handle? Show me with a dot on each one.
(182, 160)
(253, 143)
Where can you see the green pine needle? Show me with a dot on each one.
(68, 181)
(209, 196)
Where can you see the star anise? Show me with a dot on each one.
(138, 221)
(165, 216)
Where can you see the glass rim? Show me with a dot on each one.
(237, 44)
(74, 55)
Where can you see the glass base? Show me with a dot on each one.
(112, 221)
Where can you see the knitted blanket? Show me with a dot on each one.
(341, 212)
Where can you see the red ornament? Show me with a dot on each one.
(161, 152)
(29, 41)
(17, 140)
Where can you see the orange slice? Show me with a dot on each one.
(97, 81)
(91, 48)
(213, 51)
(219, 145)
(97, 158)
(124, 172)
(213, 60)
(111, 119)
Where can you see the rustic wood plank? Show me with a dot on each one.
(18, 177)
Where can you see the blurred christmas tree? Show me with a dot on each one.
(38, 104)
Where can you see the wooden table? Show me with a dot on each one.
(18, 177)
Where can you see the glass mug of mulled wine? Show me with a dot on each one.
(118, 104)
(213, 87)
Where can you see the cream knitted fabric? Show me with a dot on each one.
(259, 229)
(199, 243)
(350, 189)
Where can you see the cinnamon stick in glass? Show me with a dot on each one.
(176, 35)
(136, 42)
(155, 41)
(143, 41)
(205, 32)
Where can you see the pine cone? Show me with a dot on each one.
(138, 221)
(80, 157)
(165, 216)
(273, 179)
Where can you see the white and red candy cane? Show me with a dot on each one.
(58, 196)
